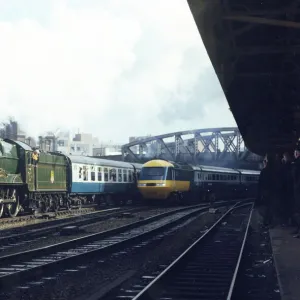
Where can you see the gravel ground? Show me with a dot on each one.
(257, 278)
(21, 223)
(88, 229)
(18, 222)
(90, 277)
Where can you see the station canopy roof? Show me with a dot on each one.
(254, 46)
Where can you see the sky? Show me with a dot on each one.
(114, 68)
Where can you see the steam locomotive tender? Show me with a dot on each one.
(164, 180)
(48, 181)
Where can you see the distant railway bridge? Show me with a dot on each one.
(211, 146)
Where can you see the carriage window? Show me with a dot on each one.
(80, 173)
(85, 173)
(129, 175)
(125, 175)
(213, 177)
(119, 175)
(93, 176)
(99, 174)
(113, 175)
(105, 174)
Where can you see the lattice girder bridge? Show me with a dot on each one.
(211, 145)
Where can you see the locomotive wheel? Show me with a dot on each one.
(54, 206)
(100, 200)
(109, 200)
(13, 209)
(79, 203)
(68, 205)
(212, 199)
(175, 198)
(43, 207)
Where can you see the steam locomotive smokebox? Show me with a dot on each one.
(69, 230)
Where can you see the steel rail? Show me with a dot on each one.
(150, 291)
(18, 267)
(233, 281)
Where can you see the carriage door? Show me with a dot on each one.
(173, 179)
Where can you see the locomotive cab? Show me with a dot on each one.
(160, 179)
(155, 180)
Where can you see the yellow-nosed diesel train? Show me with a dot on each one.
(165, 180)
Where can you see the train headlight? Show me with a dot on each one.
(160, 184)
(142, 184)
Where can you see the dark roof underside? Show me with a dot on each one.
(254, 46)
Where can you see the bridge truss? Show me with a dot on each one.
(213, 146)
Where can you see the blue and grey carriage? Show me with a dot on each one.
(99, 180)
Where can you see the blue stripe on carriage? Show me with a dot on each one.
(99, 187)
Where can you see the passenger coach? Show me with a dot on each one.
(162, 180)
(105, 180)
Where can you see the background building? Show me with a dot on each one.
(12, 130)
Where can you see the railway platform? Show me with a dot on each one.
(286, 251)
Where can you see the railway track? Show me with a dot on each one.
(74, 211)
(53, 217)
(27, 217)
(206, 270)
(12, 235)
(19, 236)
(21, 267)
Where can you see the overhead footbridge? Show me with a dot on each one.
(254, 46)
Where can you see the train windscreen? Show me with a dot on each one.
(153, 173)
